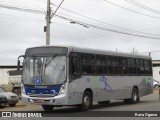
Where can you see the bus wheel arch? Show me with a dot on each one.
(87, 99)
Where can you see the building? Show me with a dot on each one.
(156, 69)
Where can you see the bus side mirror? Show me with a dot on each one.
(18, 62)
(18, 65)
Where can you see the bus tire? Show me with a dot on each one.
(134, 97)
(47, 107)
(156, 86)
(104, 102)
(86, 101)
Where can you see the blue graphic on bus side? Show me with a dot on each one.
(37, 80)
(107, 87)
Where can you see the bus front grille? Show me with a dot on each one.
(41, 95)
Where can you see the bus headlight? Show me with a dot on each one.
(63, 89)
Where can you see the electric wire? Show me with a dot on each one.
(22, 5)
(8, 16)
(22, 9)
(40, 12)
(119, 27)
(99, 20)
(106, 29)
(142, 6)
(23, 2)
(101, 34)
(80, 23)
(131, 10)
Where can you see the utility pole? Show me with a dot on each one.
(48, 20)
(47, 28)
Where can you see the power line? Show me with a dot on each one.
(57, 8)
(106, 29)
(142, 6)
(22, 5)
(22, 9)
(80, 23)
(70, 27)
(131, 10)
(8, 16)
(26, 2)
(103, 22)
(42, 12)
(99, 34)
(94, 20)
(98, 20)
(127, 31)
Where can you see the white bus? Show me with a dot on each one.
(56, 76)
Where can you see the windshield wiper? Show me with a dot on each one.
(47, 64)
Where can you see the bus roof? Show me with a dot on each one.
(97, 51)
(107, 52)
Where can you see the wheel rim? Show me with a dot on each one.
(156, 86)
(135, 96)
(86, 101)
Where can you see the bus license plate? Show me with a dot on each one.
(40, 100)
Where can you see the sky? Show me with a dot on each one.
(20, 30)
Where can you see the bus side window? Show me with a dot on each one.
(74, 68)
(131, 66)
(122, 62)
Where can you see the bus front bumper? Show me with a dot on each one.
(57, 100)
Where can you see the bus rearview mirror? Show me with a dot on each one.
(18, 65)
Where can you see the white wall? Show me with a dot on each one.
(156, 74)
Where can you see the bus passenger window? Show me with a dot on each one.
(122, 62)
(74, 67)
(131, 66)
(146, 67)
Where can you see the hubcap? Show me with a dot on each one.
(156, 86)
(86, 101)
(135, 96)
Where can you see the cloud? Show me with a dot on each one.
(26, 30)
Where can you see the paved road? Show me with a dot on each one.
(147, 103)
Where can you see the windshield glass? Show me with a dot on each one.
(44, 70)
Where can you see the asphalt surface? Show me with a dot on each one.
(147, 103)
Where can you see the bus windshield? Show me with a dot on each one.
(44, 70)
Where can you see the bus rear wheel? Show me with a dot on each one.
(86, 101)
(47, 107)
(134, 97)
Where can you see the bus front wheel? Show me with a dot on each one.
(86, 101)
(47, 107)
